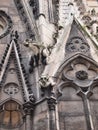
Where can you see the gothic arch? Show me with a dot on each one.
(70, 115)
(14, 100)
(75, 57)
(79, 72)
(77, 77)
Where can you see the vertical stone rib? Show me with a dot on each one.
(37, 82)
(27, 123)
(50, 10)
(28, 110)
(57, 119)
(90, 125)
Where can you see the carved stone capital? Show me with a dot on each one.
(51, 103)
(31, 98)
(28, 108)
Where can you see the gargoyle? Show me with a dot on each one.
(46, 81)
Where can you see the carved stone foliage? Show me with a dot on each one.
(5, 24)
(87, 21)
(77, 44)
(28, 108)
(91, 22)
(81, 6)
(51, 103)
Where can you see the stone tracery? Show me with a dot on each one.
(77, 44)
(75, 75)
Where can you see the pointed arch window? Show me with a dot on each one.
(11, 115)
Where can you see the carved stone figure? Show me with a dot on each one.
(49, 66)
(40, 53)
(46, 81)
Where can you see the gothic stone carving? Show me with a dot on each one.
(82, 75)
(11, 89)
(91, 22)
(40, 53)
(81, 6)
(46, 81)
(28, 108)
(51, 103)
(80, 72)
(87, 20)
(6, 24)
(77, 44)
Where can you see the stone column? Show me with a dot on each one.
(28, 109)
(52, 113)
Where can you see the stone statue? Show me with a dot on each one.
(40, 53)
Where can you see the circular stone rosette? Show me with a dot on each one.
(82, 75)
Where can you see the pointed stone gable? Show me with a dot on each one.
(77, 42)
(11, 86)
(13, 71)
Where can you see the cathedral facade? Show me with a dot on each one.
(48, 65)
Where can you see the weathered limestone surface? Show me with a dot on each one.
(48, 65)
